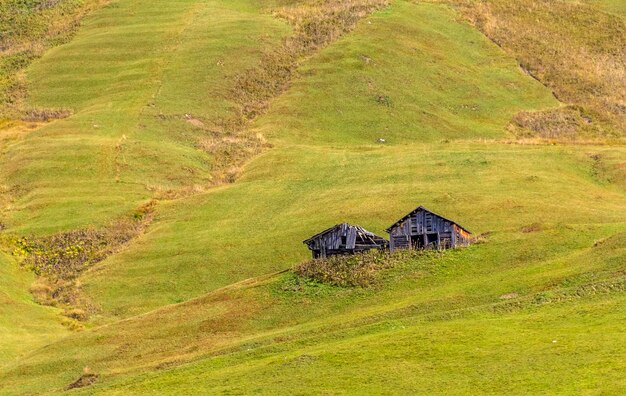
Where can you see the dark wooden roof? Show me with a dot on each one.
(430, 211)
(358, 228)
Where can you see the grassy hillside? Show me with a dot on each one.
(272, 192)
(554, 42)
(71, 173)
(132, 137)
(414, 75)
(27, 30)
(493, 189)
(510, 353)
(24, 325)
(196, 303)
(493, 303)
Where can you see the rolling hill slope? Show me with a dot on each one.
(128, 136)
(270, 195)
(24, 325)
(198, 301)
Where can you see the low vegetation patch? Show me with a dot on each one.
(45, 115)
(59, 259)
(359, 270)
(534, 227)
(567, 122)
(86, 379)
(608, 168)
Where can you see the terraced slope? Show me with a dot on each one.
(130, 76)
(195, 304)
(85, 170)
(255, 226)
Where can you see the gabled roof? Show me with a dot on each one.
(326, 231)
(358, 228)
(430, 211)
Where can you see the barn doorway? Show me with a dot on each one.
(418, 241)
(425, 241)
(432, 240)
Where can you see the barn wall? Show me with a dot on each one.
(399, 237)
(342, 239)
(462, 237)
(423, 222)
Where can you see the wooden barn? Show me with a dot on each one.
(344, 238)
(423, 229)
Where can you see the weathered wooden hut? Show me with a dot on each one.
(423, 229)
(344, 238)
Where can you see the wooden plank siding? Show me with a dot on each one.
(424, 229)
(344, 238)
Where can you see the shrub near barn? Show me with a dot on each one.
(358, 270)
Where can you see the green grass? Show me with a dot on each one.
(486, 187)
(24, 325)
(178, 316)
(117, 75)
(435, 79)
(554, 42)
(258, 330)
(283, 193)
(130, 85)
(28, 29)
(614, 6)
(487, 354)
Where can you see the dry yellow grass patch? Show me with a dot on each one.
(575, 49)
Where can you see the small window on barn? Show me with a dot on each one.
(343, 240)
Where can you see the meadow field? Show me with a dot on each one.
(216, 136)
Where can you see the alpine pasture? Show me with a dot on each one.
(231, 131)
